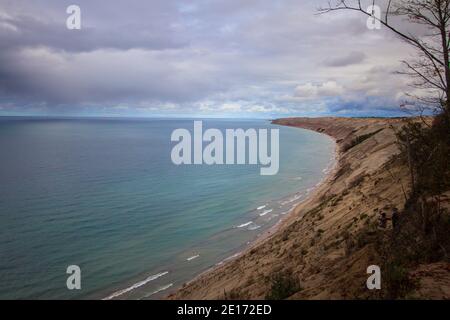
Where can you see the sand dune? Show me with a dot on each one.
(314, 241)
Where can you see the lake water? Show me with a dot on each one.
(104, 194)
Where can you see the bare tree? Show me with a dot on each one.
(430, 69)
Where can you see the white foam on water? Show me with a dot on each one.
(244, 224)
(136, 285)
(193, 257)
(163, 288)
(228, 258)
(265, 212)
(292, 199)
(159, 290)
(232, 257)
(255, 227)
(271, 217)
(262, 207)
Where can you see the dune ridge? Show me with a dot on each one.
(316, 242)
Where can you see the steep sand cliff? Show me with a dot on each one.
(320, 242)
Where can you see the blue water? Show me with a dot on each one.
(103, 194)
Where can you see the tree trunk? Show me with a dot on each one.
(410, 165)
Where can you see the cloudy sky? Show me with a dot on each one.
(214, 58)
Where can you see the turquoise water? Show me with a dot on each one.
(103, 194)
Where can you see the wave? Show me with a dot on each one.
(136, 285)
(237, 254)
(244, 224)
(271, 217)
(157, 291)
(265, 212)
(232, 257)
(292, 199)
(262, 207)
(193, 257)
(255, 227)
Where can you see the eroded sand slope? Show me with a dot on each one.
(314, 241)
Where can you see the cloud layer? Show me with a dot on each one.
(211, 58)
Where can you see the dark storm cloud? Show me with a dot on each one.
(347, 60)
(221, 56)
(118, 26)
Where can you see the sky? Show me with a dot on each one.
(203, 58)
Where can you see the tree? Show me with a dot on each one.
(431, 68)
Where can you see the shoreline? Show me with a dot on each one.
(313, 241)
(280, 223)
(308, 191)
(267, 234)
(273, 230)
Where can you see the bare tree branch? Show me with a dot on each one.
(431, 68)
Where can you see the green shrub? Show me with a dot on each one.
(360, 139)
(396, 280)
(234, 294)
(283, 285)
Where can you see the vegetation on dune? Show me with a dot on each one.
(360, 139)
(282, 285)
(421, 232)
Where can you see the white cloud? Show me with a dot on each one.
(230, 107)
(322, 90)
